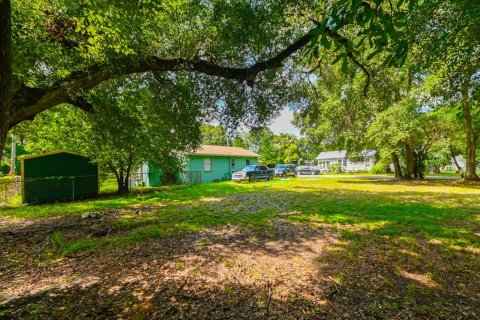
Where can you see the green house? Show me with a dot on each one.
(58, 176)
(209, 163)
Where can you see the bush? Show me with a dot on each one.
(336, 168)
(360, 171)
(5, 168)
(377, 169)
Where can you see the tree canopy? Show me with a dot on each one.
(339, 63)
(150, 125)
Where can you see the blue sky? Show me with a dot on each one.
(283, 124)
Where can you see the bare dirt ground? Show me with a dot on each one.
(287, 271)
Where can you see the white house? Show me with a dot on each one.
(328, 158)
(460, 160)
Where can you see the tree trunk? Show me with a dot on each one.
(409, 160)
(453, 155)
(5, 71)
(419, 156)
(471, 138)
(122, 185)
(396, 166)
(125, 187)
(122, 182)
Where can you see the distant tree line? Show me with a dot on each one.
(273, 149)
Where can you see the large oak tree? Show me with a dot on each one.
(64, 48)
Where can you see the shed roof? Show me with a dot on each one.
(49, 153)
(211, 150)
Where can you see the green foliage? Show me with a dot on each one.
(378, 168)
(336, 168)
(282, 148)
(150, 125)
(55, 39)
(358, 31)
(394, 126)
(5, 168)
(214, 135)
(387, 43)
(267, 150)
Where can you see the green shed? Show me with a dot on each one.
(58, 176)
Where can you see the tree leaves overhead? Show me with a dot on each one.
(356, 27)
(150, 123)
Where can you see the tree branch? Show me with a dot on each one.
(344, 42)
(31, 101)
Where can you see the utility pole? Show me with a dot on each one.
(13, 156)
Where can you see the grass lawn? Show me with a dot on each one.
(333, 248)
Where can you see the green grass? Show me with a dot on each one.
(396, 245)
(439, 211)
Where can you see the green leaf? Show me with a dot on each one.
(373, 54)
(337, 59)
(323, 26)
(345, 65)
(412, 4)
(315, 32)
(325, 42)
(356, 4)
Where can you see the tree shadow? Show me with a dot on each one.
(426, 182)
(321, 254)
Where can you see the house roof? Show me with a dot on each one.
(210, 150)
(342, 154)
(49, 153)
(332, 154)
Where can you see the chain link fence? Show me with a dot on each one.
(71, 188)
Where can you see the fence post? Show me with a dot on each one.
(73, 188)
(5, 194)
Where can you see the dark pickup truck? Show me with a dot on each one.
(252, 173)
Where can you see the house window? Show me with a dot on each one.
(247, 162)
(233, 164)
(207, 164)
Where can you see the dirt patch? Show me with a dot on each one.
(285, 271)
(216, 274)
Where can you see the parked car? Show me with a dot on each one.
(252, 173)
(306, 170)
(284, 170)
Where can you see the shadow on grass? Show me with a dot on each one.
(168, 301)
(427, 182)
(113, 200)
(286, 270)
(406, 255)
(453, 219)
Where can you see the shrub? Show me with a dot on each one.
(360, 171)
(4, 168)
(336, 168)
(377, 169)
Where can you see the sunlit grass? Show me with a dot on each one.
(440, 211)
